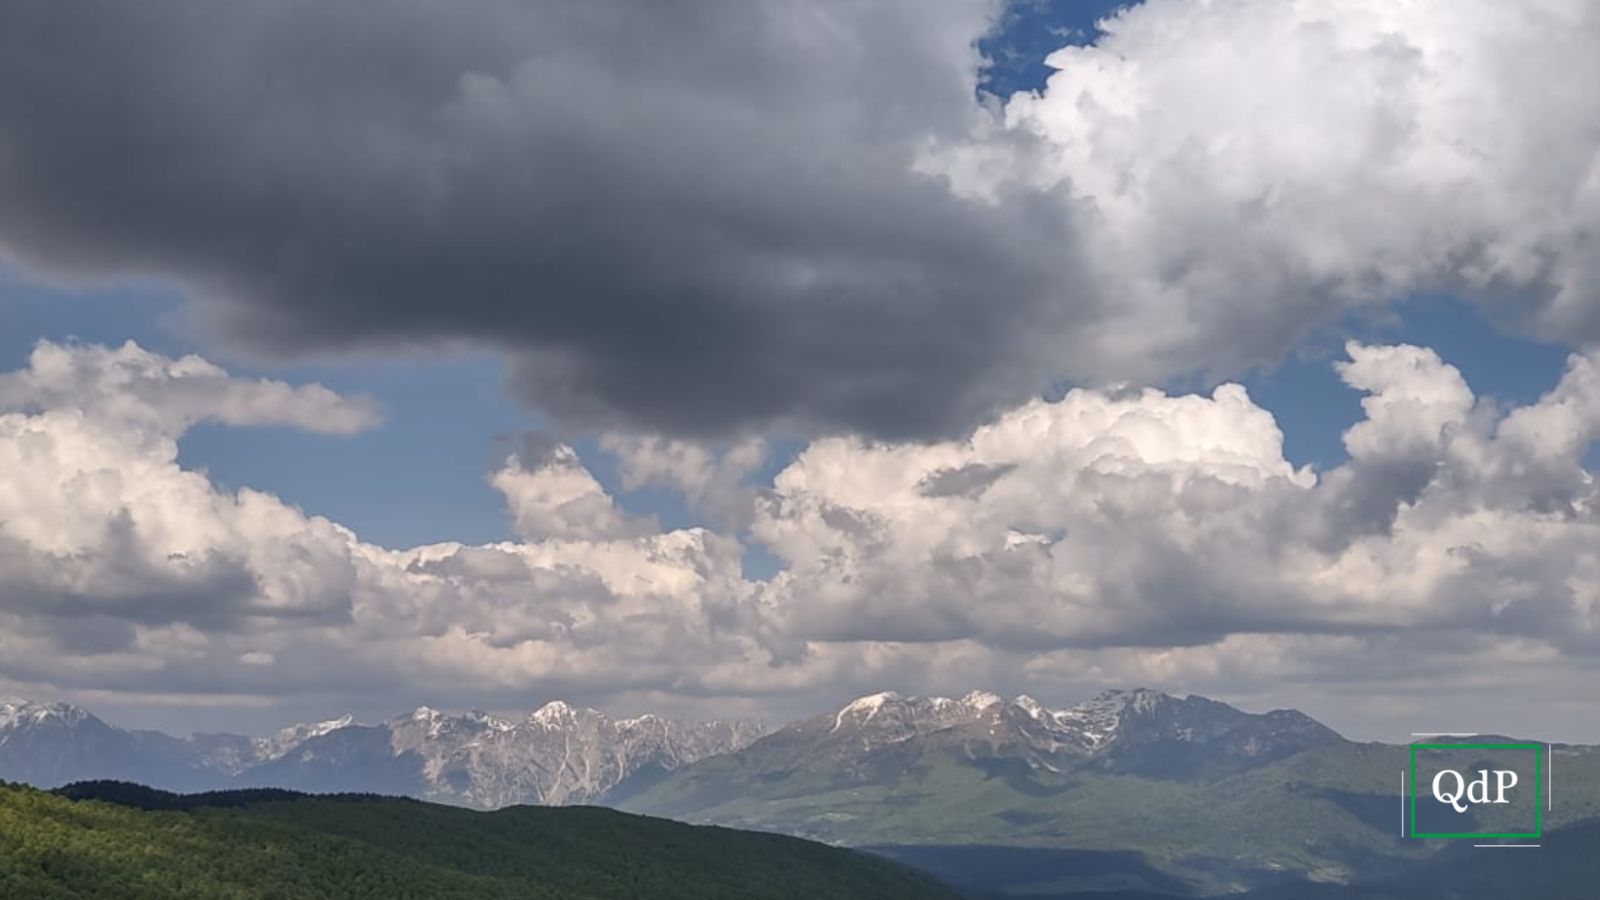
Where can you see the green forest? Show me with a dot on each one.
(115, 840)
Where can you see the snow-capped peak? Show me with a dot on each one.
(288, 738)
(15, 711)
(331, 725)
(1100, 719)
(554, 713)
(894, 716)
(867, 707)
(1142, 700)
(870, 703)
(981, 700)
(1088, 726)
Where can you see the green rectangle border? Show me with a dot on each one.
(1538, 788)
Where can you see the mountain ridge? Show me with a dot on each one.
(556, 755)
(1115, 730)
(1130, 791)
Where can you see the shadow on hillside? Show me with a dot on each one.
(1040, 872)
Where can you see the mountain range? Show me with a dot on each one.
(557, 755)
(1132, 793)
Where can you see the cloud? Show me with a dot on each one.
(680, 218)
(552, 495)
(712, 479)
(131, 384)
(968, 480)
(712, 219)
(1247, 170)
(124, 569)
(1148, 520)
(97, 519)
(1109, 537)
(684, 224)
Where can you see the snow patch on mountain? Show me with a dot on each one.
(866, 707)
(275, 746)
(1118, 727)
(557, 754)
(18, 713)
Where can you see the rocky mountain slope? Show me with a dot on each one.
(1137, 732)
(558, 755)
(883, 737)
(555, 756)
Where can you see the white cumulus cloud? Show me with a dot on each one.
(1108, 537)
(1243, 170)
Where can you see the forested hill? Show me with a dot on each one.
(111, 840)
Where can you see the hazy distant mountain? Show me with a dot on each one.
(557, 755)
(50, 744)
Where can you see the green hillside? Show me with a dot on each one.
(278, 846)
(1330, 814)
(1564, 867)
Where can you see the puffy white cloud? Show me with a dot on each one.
(1141, 519)
(711, 479)
(556, 497)
(96, 517)
(1245, 169)
(132, 385)
(124, 569)
(1069, 522)
(1108, 537)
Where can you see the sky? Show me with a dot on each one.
(741, 358)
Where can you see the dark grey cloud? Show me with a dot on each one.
(692, 217)
(537, 448)
(970, 480)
